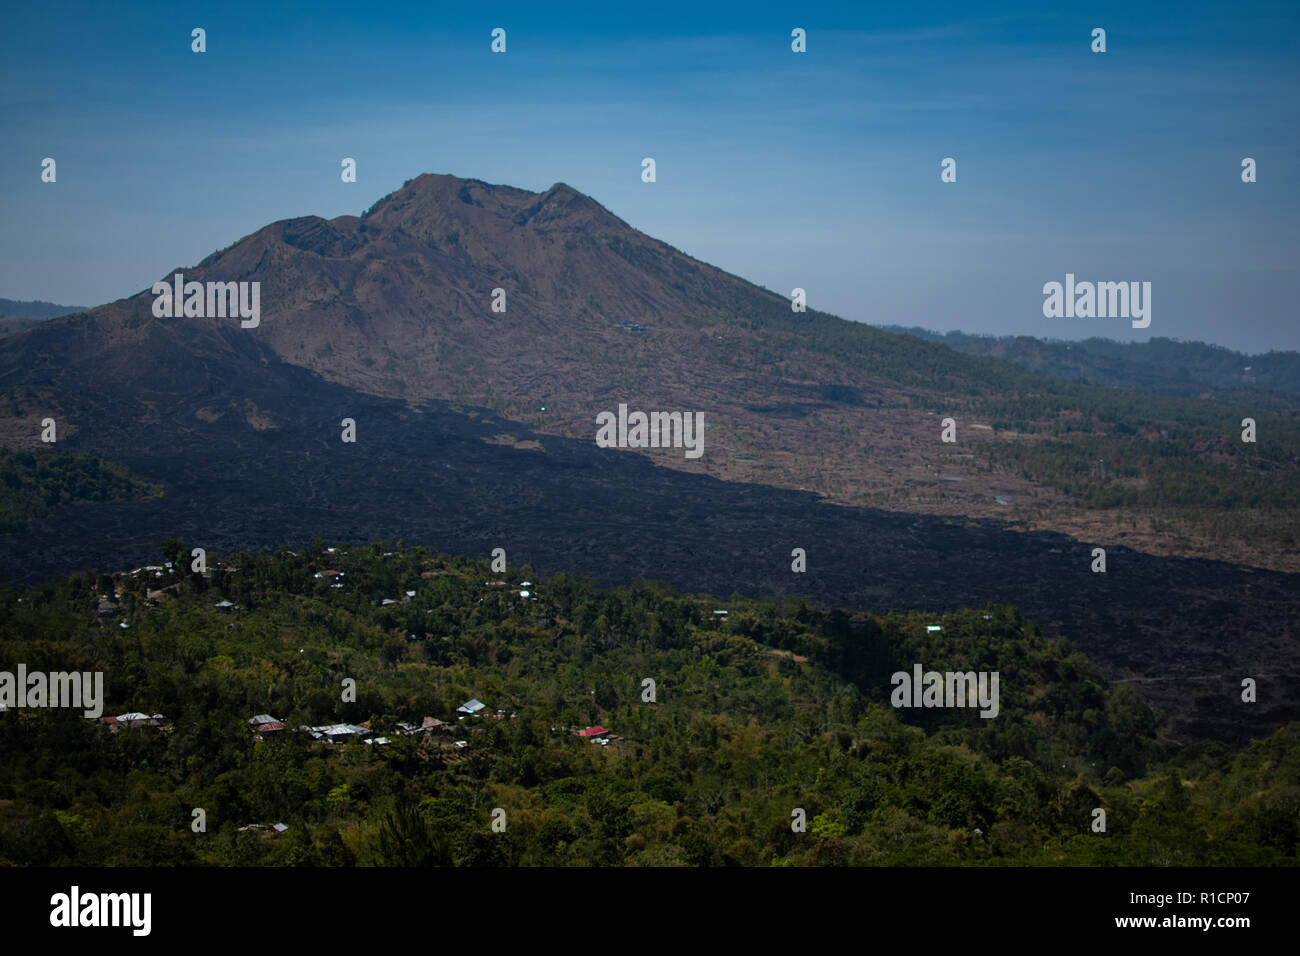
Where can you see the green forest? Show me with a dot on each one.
(32, 484)
(774, 709)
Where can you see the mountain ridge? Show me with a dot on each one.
(386, 320)
(398, 302)
(1159, 364)
(35, 309)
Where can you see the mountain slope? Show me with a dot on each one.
(386, 319)
(399, 303)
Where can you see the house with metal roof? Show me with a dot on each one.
(133, 719)
(338, 733)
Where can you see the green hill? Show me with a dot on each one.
(774, 708)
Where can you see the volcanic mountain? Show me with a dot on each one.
(399, 303)
(475, 429)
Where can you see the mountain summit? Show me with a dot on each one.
(399, 301)
(550, 310)
(387, 321)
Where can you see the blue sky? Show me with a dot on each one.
(818, 170)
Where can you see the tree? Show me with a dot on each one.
(406, 839)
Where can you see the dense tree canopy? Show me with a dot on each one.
(776, 707)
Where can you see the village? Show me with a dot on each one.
(265, 727)
(440, 734)
(127, 599)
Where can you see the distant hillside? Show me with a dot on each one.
(18, 309)
(1160, 365)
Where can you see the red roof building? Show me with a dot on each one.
(590, 732)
